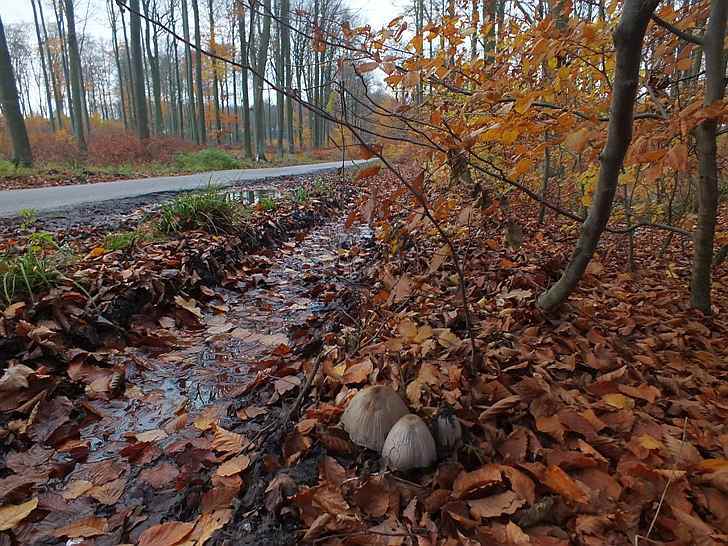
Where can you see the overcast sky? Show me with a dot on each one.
(93, 13)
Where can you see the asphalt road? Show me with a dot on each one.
(12, 201)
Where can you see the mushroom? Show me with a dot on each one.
(447, 429)
(371, 414)
(409, 444)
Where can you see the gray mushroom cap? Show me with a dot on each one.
(409, 445)
(371, 414)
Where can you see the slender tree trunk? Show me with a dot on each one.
(41, 52)
(65, 62)
(137, 67)
(22, 154)
(215, 81)
(280, 78)
(115, 42)
(76, 82)
(286, 46)
(260, 68)
(178, 80)
(201, 126)
(132, 90)
(706, 134)
(54, 82)
(192, 117)
(151, 41)
(628, 38)
(245, 61)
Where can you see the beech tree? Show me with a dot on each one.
(22, 154)
(628, 39)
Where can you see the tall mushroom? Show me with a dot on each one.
(371, 414)
(409, 445)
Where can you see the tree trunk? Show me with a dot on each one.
(153, 57)
(137, 68)
(260, 69)
(46, 82)
(64, 62)
(215, 80)
(115, 42)
(245, 61)
(22, 154)
(280, 79)
(201, 127)
(286, 46)
(628, 38)
(178, 80)
(192, 117)
(707, 158)
(56, 86)
(75, 72)
(132, 91)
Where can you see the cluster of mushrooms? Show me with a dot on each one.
(378, 419)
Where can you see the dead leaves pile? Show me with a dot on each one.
(604, 425)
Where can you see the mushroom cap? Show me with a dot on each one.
(409, 444)
(371, 414)
(448, 431)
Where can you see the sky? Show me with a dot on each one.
(375, 12)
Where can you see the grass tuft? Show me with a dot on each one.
(121, 240)
(209, 210)
(28, 273)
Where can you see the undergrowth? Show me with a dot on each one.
(209, 210)
(210, 159)
(33, 270)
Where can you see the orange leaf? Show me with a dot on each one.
(166, 534)
(560, 482)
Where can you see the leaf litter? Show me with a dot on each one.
(602, 425)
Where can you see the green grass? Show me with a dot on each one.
(29, 217)
(209, 210)
(267, 203)
(300, 195)
(210, 159)
(8, 168)
(28, 273)
(121, 240)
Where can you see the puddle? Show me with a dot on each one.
(217, 363)
(253, 197)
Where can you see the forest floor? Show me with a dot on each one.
(187, 389)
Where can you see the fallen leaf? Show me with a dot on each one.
(166, 534)
(560, 482)
(496, 505)
(12, 514)
(233, 466)
(84, 528)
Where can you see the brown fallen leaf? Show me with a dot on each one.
(159, 476)
(233, 466)
(166, 534)
(496, 505)
(12, 514)
(84, 528)
(470, 481)
(208, 524)
(227, 441)
(560, 482)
